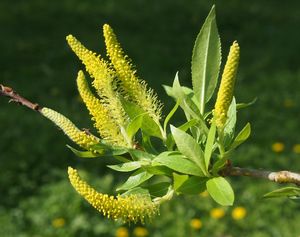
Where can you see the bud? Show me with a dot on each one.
(225, 93)
(81, 138)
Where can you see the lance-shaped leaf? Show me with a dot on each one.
(206, 60)
(177, 162)
(135, 180)
(189, 147)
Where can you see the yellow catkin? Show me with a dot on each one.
(131, 84)
(103, 79)
(104, 123)
(225, 93)
(132, 208)
(76, 135)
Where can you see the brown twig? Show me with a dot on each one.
(278, 177)
(15, 97)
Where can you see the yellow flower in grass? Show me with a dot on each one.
(288, 103)
(105, 124)
(122, 232)
(196, 224)
(225, 93)
(239, 213)
(204, 194)
(296, 148)
(75, 134)
(217, 213)
(130, 83)
(131, 208)
(58, 222)
(140, 232)
(278, 147)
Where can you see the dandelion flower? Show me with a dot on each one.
(140, 232)
(196, 224)
(238, 213)
(217, 213)
(278, 147)
(296, 148)
(58, 222)
(122, 232)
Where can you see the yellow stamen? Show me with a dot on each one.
(105, 124)
(132, 208)
(131, 84)
(103, 79)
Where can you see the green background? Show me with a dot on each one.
(158, 35)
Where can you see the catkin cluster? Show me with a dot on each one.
(132, 208)
(135, 88)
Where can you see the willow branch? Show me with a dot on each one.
(277, 177)
(15, 97)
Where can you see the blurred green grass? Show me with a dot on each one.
(159, 37)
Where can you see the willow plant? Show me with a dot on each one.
(127, 114)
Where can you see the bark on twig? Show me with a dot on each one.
(277, 177)
(15, 97)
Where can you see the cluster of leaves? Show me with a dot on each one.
(186, 159)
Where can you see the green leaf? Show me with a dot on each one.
(218, 165)
(179, 179)
(177, 162)
(206, 60)
(147, 144)
(108, 150)
(245, 105)
(159, 170)
(189, 185)
(187, 99)
(231, 119)
(184, 127)
(149, 126)
(84, 154)
(139, 155)
(284, 192)
(241, 137)
(126, 167)
(209, 144)
(220, 190)
(158, 189)
(135, 179)
(137, 191)
(187, 145)
(134, 126)
(170, 115)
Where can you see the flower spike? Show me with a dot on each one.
(132, 208)
(81, 138)
(131, 84)
(103, 79)
(106, 126)
(225, 93)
